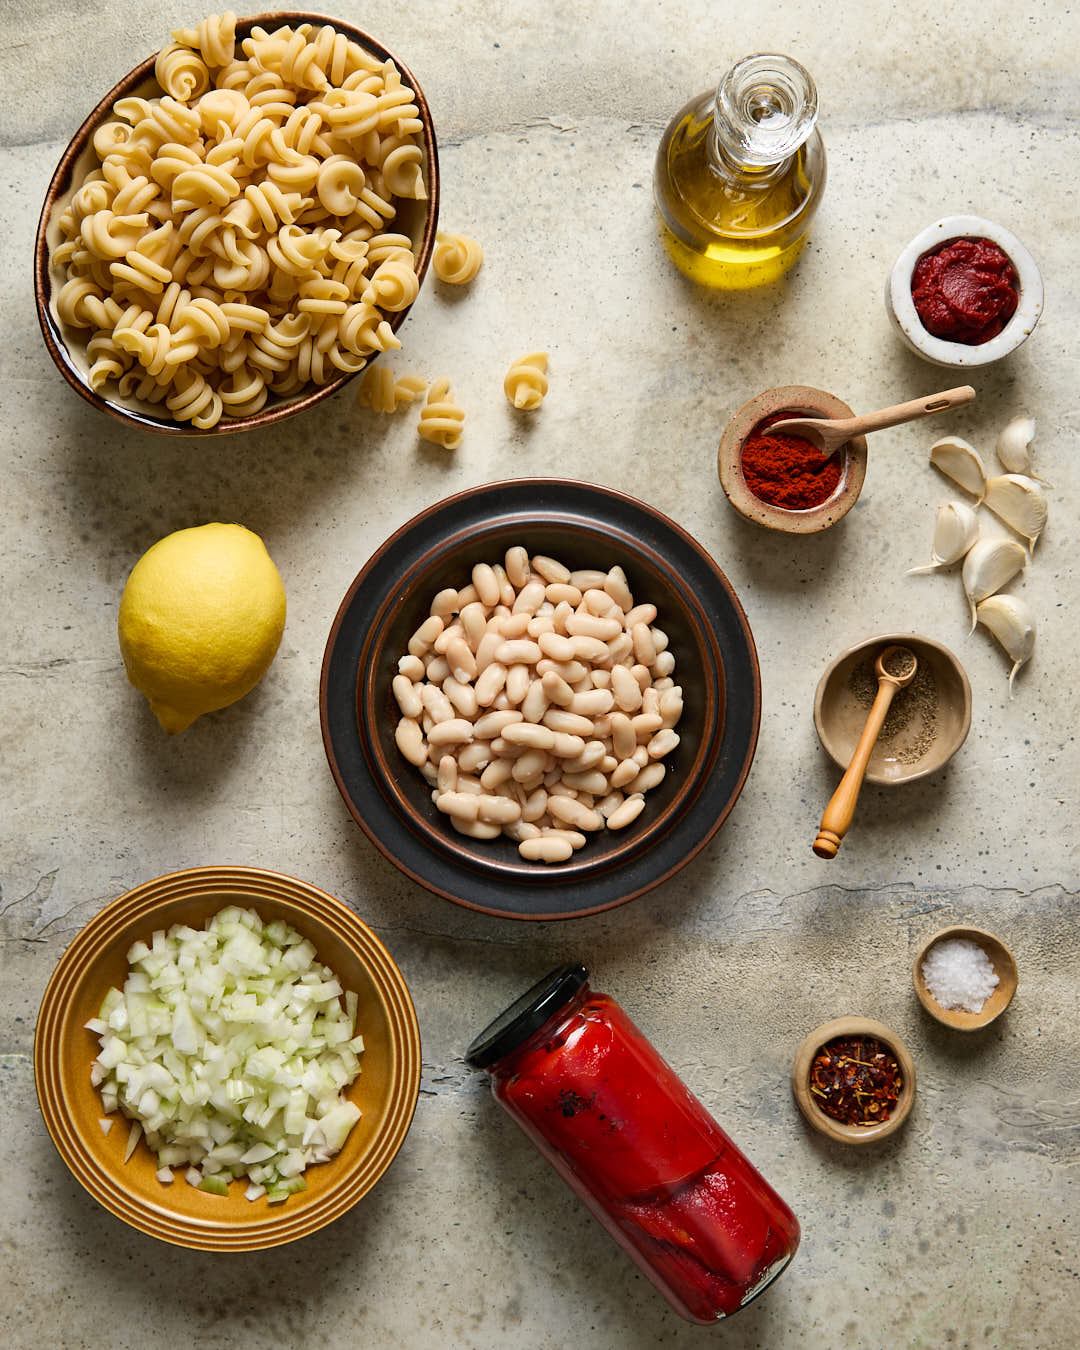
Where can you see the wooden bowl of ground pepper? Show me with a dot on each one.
(783, 482)
(854, 1080)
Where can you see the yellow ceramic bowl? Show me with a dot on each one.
(386, 1090)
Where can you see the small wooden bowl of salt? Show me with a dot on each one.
(964, 977)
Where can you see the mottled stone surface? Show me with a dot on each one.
(963, 1231)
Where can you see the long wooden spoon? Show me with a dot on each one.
(895, 669)
(830, 433)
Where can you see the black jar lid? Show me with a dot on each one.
(517, 1023)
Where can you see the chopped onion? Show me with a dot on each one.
(230, 1047)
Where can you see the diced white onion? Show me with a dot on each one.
(230, 1047)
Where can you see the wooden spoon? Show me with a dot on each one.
(841, 808)
(830, 433)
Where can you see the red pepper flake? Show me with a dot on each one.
(856, 1080)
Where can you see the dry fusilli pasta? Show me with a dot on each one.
(526, 383)
(237, 240)
(457, 258)
(383, 392)
(441, 418)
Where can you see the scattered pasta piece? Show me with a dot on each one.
(526, 383)
(383, 392)
(457, 258)
(441, 418)
(236, 240)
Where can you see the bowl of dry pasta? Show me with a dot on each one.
(239, 226)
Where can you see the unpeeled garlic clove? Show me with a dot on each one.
(1019, 502)
(960, 461)
(1013, 443)
(955, 530)
(1013, 624)
(990, 563)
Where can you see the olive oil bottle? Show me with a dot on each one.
(740, 173)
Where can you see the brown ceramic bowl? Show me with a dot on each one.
(67, 346)
(856, 1135)
(798, 400)
(386, 1090)
(584, 526)
(840, 717)
(1004, 965)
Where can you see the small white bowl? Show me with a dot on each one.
(940, 351)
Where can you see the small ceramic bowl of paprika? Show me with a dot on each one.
(984, 303)
(799, 493)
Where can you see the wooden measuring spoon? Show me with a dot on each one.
(830, 433)
(841, 808)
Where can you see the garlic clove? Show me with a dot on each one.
(1019, 502)
(960, 461)
(990, 563)
(955, 530)
(1012, 445)
(1013, 624)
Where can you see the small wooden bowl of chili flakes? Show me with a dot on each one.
(854, 1080)
(783, 482)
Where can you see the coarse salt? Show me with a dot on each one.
(959, 975)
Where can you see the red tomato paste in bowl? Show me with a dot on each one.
(966, 290)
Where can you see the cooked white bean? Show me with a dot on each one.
(443, 641)
(520, 830)
(547, 848)
(649, 777)
(474, 621)
(522, 649)
(616, 586)
(610, 803)
(437, 669)
(573, 723)
(501, 749)
(626, 689)
(629, 811)
(588, 649)
(500, 810)
(559, 592)
(663, 743)
(557, 647)
(660, 640)
(620, 652)
(517, 565)
(467, 596)
(410, 741)
(462, 696)
(462, 804)
(592, 703)
(597, 601)
(664, 664)
(411, 667)
(422, 640)
(490, 683)
(516, 626)
(496, 774)
(462, 662)
(493, 724)
(486, 583)
(535, 805)
(640, 756)
(447, 775)
(587, 579)
(550, 568)
(601, 679)
(429, 772)
(530, 735)
(527, 765)
(570, 671)
(408, 698)
(572, 837)
(436, 704)
(535, 703)
(602, 727)
(540, 623)
(530, 599)
(567, 746)
(476, 829)
(591, 755)
(671, 705)
(663, 683)
(476, 755)
(574, 813)
(650, 702)
(453, 732)
(467, 783)
(507, 591)
(556, 689)
(592, 781)
(646, 724)
(518, 681)
(644, 647)
(640, 614)
(623, 736)
(624, 773)
(591, 625)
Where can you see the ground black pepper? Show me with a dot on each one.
(910, 726)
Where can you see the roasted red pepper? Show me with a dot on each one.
(654, 1167)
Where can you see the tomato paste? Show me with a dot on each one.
(965, 291)
(637, 1146)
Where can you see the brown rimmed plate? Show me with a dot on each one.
(386, 1090)
(584, 526)
(67, 346)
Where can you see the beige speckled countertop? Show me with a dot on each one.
(961, 1232)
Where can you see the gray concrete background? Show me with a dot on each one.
(962, 1232)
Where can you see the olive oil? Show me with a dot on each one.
(739, 175)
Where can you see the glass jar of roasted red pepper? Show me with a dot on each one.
(637, 1147)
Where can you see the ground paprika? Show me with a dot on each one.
(788, 471)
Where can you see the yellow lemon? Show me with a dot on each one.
(200, 621)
